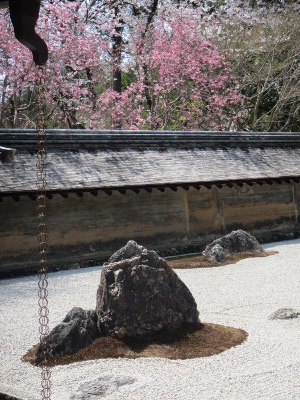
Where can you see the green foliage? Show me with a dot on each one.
(264, 53)
(128, 77)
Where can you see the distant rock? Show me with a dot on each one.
(140, 294)
(285, 313)
(235, 242)
(101, 387)
(78, 329)
(217, 253)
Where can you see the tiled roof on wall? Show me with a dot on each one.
(83, 160)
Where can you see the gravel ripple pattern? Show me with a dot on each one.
(243, 295)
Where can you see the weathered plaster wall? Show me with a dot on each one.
(87, 229)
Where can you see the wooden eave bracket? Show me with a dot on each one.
(7, 154)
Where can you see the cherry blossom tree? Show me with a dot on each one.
(133, 66)
(74, 54)
(180, 81)
(14, 77)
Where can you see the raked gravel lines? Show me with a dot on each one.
(243, 295)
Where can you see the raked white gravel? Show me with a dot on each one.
(243, 295)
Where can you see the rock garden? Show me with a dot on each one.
(143, 309)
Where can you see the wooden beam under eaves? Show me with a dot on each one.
(207, 185)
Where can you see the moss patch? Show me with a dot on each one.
(200, 261)
(191, 341)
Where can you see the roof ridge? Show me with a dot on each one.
(108, 138)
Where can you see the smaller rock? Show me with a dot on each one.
(285, 313)
(76, 331)
(235, 242)
(217, 253)
(101, 387)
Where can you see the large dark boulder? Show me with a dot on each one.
(76, 331)
(140, 294)
(235, 242)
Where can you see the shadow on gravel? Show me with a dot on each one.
(7, 397)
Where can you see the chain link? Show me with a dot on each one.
(41, 184)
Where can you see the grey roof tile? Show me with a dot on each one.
(121, 166)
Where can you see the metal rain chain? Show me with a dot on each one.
(41, 183)
(24, 16)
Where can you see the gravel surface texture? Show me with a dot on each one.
(243, 295)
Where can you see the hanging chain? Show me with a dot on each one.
(41, 183)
